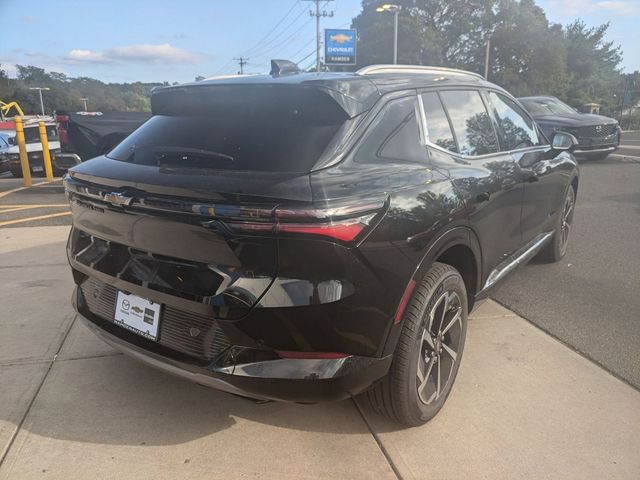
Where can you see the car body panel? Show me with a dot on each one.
(270, 294)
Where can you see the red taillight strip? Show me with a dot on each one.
(285, 213)
(404, 301)
(340, 231)
(310, 355)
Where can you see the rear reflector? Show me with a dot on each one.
(404, 301)
(310, 355)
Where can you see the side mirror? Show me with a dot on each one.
(11, 140)
(563, 141)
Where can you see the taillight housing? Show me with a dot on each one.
(341, 222)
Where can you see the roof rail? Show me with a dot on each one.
(414, 69)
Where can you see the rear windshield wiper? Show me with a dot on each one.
(197, 152)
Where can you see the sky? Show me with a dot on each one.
(156, 40)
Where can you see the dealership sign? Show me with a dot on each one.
(340, 47)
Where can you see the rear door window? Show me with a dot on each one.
(240, 128)
(471, 123)
(516, 129)
(394, 135)
(438, 127)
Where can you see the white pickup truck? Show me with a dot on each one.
(34, 147)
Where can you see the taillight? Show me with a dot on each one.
(339, 222)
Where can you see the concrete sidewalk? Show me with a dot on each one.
(524, 405)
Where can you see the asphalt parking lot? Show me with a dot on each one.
(524, 406)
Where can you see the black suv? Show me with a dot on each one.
(597, 136)
(307, 237)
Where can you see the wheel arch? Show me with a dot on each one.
(458, 247)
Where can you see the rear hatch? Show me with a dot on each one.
(187, 204)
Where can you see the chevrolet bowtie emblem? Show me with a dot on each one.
(118, 199)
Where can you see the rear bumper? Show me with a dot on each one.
(291, 380)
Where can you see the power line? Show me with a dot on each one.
(307, 56)
(259, 42)
(301, 49)
(268, 44)
(283, 42)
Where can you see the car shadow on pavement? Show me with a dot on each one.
(114, 400)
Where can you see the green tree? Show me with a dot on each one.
(528, 55)
(593, 66)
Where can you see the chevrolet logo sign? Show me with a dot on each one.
(341, 38)
(117, 199)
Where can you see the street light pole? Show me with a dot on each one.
(40, 89)
(395, 9)
(395, 35)
(486, 58)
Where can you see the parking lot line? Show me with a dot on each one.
(9, 192)
(30, 219)
(32, 205)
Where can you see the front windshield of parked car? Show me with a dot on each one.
(548, 106)
(32, 134)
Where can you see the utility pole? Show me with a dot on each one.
(40, 89)
(242, 61)
(84, 99)
(318, 14)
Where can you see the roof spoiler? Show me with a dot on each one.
(283, 67)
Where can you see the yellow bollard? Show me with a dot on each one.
(22, 147)
(46, 156)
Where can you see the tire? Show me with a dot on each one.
(440, 299)
(557, 247)
(16, 173)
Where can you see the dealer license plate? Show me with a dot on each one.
(138, 314)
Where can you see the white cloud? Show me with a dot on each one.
(579, 7)
(161, 53)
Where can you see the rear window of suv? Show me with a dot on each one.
(236, 128)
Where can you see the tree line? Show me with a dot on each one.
(528, 54)
(66, 93)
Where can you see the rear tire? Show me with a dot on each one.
(557, 247)
(427, 356)
(16, 173)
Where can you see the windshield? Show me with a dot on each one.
(548, 106)
(278, 132)
(32, 134)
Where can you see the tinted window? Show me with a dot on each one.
(514, 128)
(394, 134)
(438, 128)
(470, 122)
(32, 134)
(257, 129)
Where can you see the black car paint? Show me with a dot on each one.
(313, 294)
(573, 122)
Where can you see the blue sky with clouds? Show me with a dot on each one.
(154, 40)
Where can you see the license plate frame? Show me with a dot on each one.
(138, 315)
